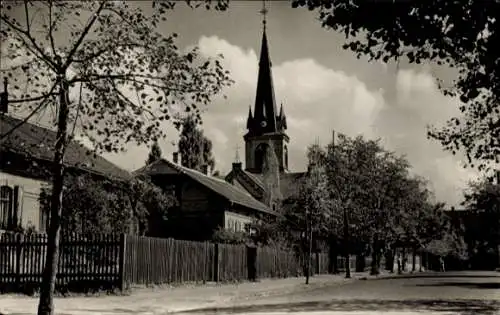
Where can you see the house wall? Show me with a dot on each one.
(236, 221)
(199, 210)
(196, 198)
(29, 193)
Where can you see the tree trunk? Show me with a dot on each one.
(360, 262)
(394, 258)
(403, 259)
(333, 267)
(374, 265)
(46, 304)
(414, 260)
(388, 259)
(346, 246)
(308, 254)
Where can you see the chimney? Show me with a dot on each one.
(4, 98)
(204, 169)
(176, 157)
(236, 165)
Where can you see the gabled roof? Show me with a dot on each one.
(37, 143)
(288, 181)
(218, 186)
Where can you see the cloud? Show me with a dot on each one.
(402, 125)
(317, 100)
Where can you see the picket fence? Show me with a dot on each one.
(84, 261)
(89, 262)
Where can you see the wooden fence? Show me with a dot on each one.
(84, 261)
(112, 261)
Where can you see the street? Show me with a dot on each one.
(439, 293)
(427, 293)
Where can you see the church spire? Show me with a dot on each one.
(250, 118)
(265, 112)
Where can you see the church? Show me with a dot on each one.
(266, 130)
(256, 191)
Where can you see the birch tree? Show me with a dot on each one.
(108, 73)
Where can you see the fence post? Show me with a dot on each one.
(121, 276)
(206, 247)
(251, 263)
(216, 262)
(19, 240)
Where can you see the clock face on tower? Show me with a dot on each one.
(263, 123)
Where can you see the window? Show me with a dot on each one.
(6, 207)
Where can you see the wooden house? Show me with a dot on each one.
(26, 154)
(205, 203)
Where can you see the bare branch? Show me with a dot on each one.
(77, 113)
(104, 50)
(32, 99)
(51, 29)
(83, 35)
(132, 104)
(132, 78)
(27, 17)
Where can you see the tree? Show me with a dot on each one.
(195, 149)
(104, 206)
(113, 79)
(461, 35)
(378, 198)
(484, 195)
(347, 162)
(149, 205)
(154, 154)
(311, 210)
(91, 207)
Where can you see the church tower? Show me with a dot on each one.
(266, 127)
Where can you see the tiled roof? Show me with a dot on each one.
(37, 142)
(219, 186)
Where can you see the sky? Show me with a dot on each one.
(322, 88)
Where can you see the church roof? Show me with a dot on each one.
(265, 117)
(219, 186)
(288, 181)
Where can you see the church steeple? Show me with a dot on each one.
(266, 127)
(265, 111)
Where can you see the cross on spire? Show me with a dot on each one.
(264, 12)
(237, 155)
